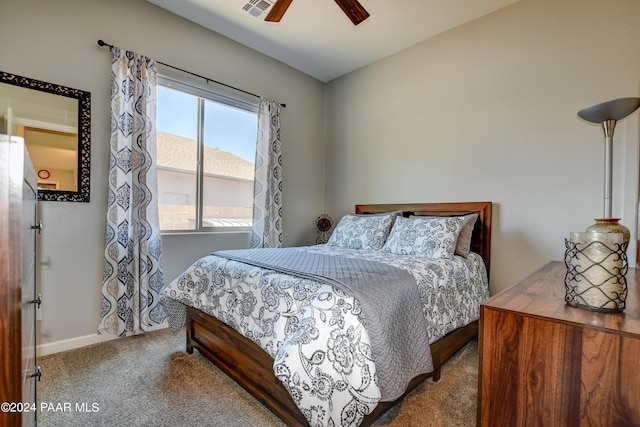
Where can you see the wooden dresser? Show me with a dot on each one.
(18, 299)
(544, 363)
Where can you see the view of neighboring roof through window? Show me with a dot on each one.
(215, 193)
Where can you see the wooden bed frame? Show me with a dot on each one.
(252, 368)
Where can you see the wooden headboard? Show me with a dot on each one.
(481, 239)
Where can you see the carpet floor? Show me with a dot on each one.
(149, 380)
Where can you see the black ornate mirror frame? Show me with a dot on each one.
(84, 135)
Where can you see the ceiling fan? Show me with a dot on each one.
(351, 8)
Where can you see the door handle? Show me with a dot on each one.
(38, 226)
(37, 373)
(37, 300)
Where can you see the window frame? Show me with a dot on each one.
(205, 93)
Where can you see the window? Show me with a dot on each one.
(206, 153)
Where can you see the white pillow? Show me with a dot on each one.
(431, 237)
(367, 232)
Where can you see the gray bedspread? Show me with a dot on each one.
(394, 319)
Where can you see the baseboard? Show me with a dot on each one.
(79, 342)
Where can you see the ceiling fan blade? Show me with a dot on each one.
(277, 10)
(354, 10)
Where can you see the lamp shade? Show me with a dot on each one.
(616, 109)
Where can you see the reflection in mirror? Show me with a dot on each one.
(49, 125)
(55, 124)
(54, 156)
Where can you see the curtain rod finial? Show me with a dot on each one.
(103, 43)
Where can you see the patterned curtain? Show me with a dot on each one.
(267, 191)
(132, 275)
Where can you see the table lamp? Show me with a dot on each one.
(596, 260)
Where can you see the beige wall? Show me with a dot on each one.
(487, 111)
(57, 42)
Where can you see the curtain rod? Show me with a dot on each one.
(206, 79)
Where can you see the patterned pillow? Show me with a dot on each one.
(426, 236)
(367, 232)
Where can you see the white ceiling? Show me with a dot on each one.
(317, 38)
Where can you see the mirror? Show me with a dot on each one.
(55, 122)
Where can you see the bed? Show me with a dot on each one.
(261, 366)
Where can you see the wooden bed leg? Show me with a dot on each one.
(436, 374)
(189, 328)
